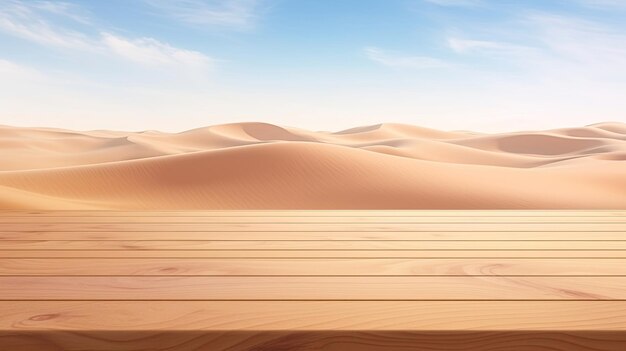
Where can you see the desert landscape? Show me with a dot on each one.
(224, 175)
(263, 166)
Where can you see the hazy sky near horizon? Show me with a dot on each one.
(487, 65)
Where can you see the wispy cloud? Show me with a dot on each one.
(34, 21)
(463, 3)
(604, 4)
(225, 13)
(587, 43)
(557, 47)
(65, 9)
(29, 21)
(10, 70)
(393, 59)
(151, 52)
(490, 48)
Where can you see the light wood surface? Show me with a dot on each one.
(256, 245)
(217, 219)
(313, 280)
(319, 213)
(315, 236)
(311, 267)
(317, 227)
(321, 254)
(313, 288)
(314, 315)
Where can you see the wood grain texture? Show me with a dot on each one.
(313, 288)
(329, 340)
(313, 315)
(311, 267)
(314, 227)
(305, 236)
(316, 213)
(309, 219)
(321, 254)
(313, 280)
(402, 245)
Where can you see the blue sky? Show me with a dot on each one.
(320, 64)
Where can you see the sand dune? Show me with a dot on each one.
(262, 166)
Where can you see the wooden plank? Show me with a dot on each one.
(328, 340)
(372, 326)
(312, 267)
(314, 213)
(316, 227)
(313, 315)
(313, 288)
(481, 257)
(306, 236)
(310, 245)
(313, 236)
(306, 219)
(312, 254)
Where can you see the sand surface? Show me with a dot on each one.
(262, 166)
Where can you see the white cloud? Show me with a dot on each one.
(151, 52)
(12, 71)
(467, 45)
(65, 9)
(604, 4)
(226, 13)
(393, 59)
(592, 46)
(513, 53)
(31, 21)
(463, 3)
(28, 21)
(552, 43)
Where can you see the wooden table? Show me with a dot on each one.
(313, 280)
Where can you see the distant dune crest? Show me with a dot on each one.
(263, 166)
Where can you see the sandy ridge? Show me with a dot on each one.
(262, 166)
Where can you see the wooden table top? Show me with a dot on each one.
(313, 280)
